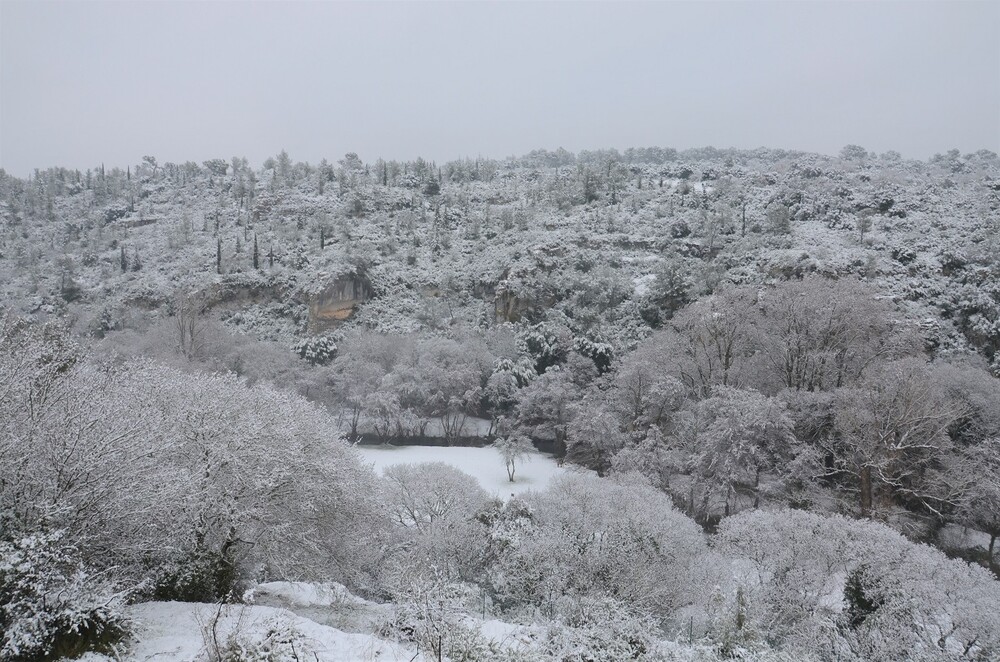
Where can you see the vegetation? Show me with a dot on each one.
(781, 368)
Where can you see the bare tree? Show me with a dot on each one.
(191, 324)
(893, 436)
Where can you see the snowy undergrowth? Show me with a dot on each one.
(197, 632)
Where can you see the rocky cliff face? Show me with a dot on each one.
(337, 302)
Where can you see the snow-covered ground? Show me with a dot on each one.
(533, 472)
(181, 632)
(188, 632)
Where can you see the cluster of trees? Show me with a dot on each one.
(814, 393)
(161, 484)
(811, 393)
(734, 328)
(129, 481)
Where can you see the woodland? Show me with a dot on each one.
(771, 375)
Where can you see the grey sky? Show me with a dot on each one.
(88, 82)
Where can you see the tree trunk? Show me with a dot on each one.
(866, 492)
(989, 555)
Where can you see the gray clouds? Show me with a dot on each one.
(85, 83)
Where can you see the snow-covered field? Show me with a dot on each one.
(534, 471)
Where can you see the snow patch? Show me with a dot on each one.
(642, 284)
(305, 594)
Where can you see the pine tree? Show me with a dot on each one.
(124, 260)
(256, 263)
(270, 256)
(218, 256)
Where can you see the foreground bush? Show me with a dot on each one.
(51, 605)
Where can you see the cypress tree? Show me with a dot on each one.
(256, 264)
(218, 256)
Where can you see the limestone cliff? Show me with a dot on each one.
(337, 301)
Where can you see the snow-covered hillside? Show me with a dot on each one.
(699, 405)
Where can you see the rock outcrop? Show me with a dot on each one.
(337, 301)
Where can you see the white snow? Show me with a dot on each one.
(642, 283)
(173, 632)
(305, 594)
(533, 472)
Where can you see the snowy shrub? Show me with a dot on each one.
(598, 629)
(433, 505)
(592, 537)
(317, 350)
(547, 345)
(51, 605)
(601, 353)
(432, 612)
(228, 640)
(200, 576)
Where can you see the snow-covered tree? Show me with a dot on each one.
(837, 587)
(893, 436)
(512, 448)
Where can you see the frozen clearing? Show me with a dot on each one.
(534, 471)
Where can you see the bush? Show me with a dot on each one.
(430, 611)
(317, 350)
(601, 629)
(229, 637)
(51, 606)
(202, 576)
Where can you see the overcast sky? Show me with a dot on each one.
(83, 83)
